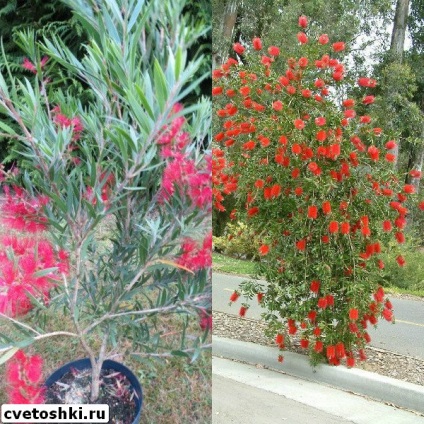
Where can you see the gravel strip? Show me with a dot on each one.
(379, 361)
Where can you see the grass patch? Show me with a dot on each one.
(223, 263)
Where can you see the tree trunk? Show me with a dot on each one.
(397, 44)
(228, 23)
(399, 30)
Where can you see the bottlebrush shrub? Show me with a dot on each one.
(121, 182)
(314, 177)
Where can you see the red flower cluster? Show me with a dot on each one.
(195, 256)
(24, 378)
(22, 258)
(181, 173)
(29, 66)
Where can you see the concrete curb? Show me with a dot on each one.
(382, 388)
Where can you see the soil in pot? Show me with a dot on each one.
(115, 390)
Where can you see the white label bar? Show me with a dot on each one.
(50, 413)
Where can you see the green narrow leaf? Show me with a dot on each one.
(135, 14)
(161, 85)
(44, 272)
(6, 128)
(4, 358)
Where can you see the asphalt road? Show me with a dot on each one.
(405, 337)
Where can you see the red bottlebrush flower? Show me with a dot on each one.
(348, 103)
(320, 121)
(409, 189)
(421, 206)
(387, 226)
(306, 93)
(350, 362)
(373, 153)
(316, 330)
(325, 239)
(388, 304)
(323, 39)
(312, 316)
(319, 83)
(242, 311)
(340, 350)
(264, 250)
(339, 46)
(365, 119)
(319, 346)
(259, 183)
(312, 212)
(299, 124)
(400, 237)
(400, 260)
(280, 358)
(301, 244)
(400, 222)
(321, 136)
(333, 227)
(303, 62)
(353, 328)
(259, 296)
(390, 157)
(292, 329)
(273, 51)
(244, 91)
(257, 43)
(367, 100)
(315, 284)
(313, 166)
(387, 314)
(338, 76)
(234, 296)
(379, 295)
(362, 355)
(302, 37)
(249, 145)
(298, 191)
(364, 82)
(277, 105)
(303, 21)
(205, 320)
(353, 314)
(216, 91)
(326, 208)
(295, 173)
(331, 352)
(414, 173)
(238, 48)
(279, 339)
(304, 343)
(330, 300)
(322, 302)
(349, 113)
(275, 190)
(345, 228)
(391, 144)
(253, 211)
(296, 149)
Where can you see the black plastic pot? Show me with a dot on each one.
(83, 364)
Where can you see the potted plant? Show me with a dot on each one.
(112, 204)
(313, 176)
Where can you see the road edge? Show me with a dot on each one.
(386, 389)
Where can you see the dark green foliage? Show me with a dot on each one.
(43, 18)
